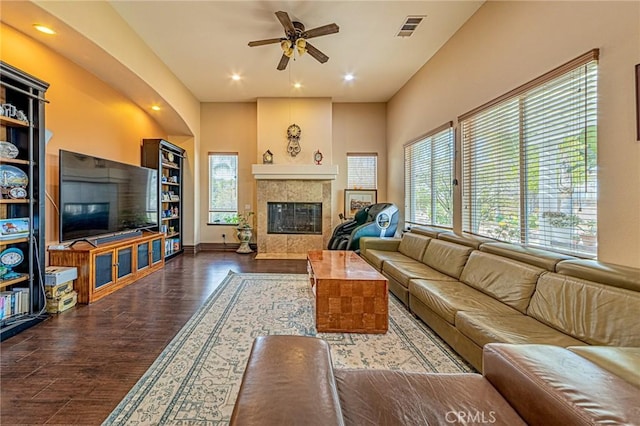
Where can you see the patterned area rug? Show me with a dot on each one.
(196, 378)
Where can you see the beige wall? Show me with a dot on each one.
(313, 116)
(233, 127)
(227, 127)
(506, 44)
(84, 114)
(358, 127)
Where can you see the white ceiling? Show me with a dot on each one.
(204, 42)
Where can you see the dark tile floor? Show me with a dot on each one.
(75, 367)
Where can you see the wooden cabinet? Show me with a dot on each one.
(22, 201)
(111, 266)
(168, 160)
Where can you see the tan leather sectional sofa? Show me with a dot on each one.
(290, 380)
(474, 291)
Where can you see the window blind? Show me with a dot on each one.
(362, 171)
(223, 187)
(529, 163)
(429, 178)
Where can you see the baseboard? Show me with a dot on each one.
(190, 249)
(218, 246)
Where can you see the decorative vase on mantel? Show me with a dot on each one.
(244, 235)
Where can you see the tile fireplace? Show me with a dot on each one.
(293, 192)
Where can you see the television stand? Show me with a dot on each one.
(110, 266)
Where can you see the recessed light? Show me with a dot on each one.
(235, 77)
(155, 108)
(297, 85)
(348, 77)
(43, 29)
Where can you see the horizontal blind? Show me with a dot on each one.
(529, 165)
(491, 179)
(362, 171)
(559, 135)
(223, 187)
(429, 179)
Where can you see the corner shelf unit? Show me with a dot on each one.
(168, 160)
(22, 207)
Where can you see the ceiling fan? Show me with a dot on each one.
(296, 39)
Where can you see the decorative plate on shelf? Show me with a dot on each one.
(8, 150)
(11, 176)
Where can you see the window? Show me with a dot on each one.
(428, 177)
(362, 171)
(529, 162)
(223, 187)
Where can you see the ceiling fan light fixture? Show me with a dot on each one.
(287, 48)
(296, 39)
(301, 46)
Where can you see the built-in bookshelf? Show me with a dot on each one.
(22, 210)
(168, 160)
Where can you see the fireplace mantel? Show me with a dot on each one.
(294, 171)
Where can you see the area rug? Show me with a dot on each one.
(196, 378)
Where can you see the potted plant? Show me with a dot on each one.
(244, 222)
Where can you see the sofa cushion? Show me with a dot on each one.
(446, 298)
(600, 272)
(308, 378)
(413, 245)
(623, 362)
(536, 257)
(485, 328)
(377, 257)
(469, 240)
(428, 231)
(594, 313)
(386, 397)
(403, 271)
(548, 385)
(378, 243)
(448, 258)
(508, 281)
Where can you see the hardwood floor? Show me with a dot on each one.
(75, 367)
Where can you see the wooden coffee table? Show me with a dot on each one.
(350, 295)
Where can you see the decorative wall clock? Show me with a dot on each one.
(293, 134)
(317, 157)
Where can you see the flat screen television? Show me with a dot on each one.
(103, 197)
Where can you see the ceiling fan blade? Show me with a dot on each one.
(283, 62)
(320, 31)
(318, 55)
(284, 19)
(265, 41)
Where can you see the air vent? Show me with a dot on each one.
(410, 25)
